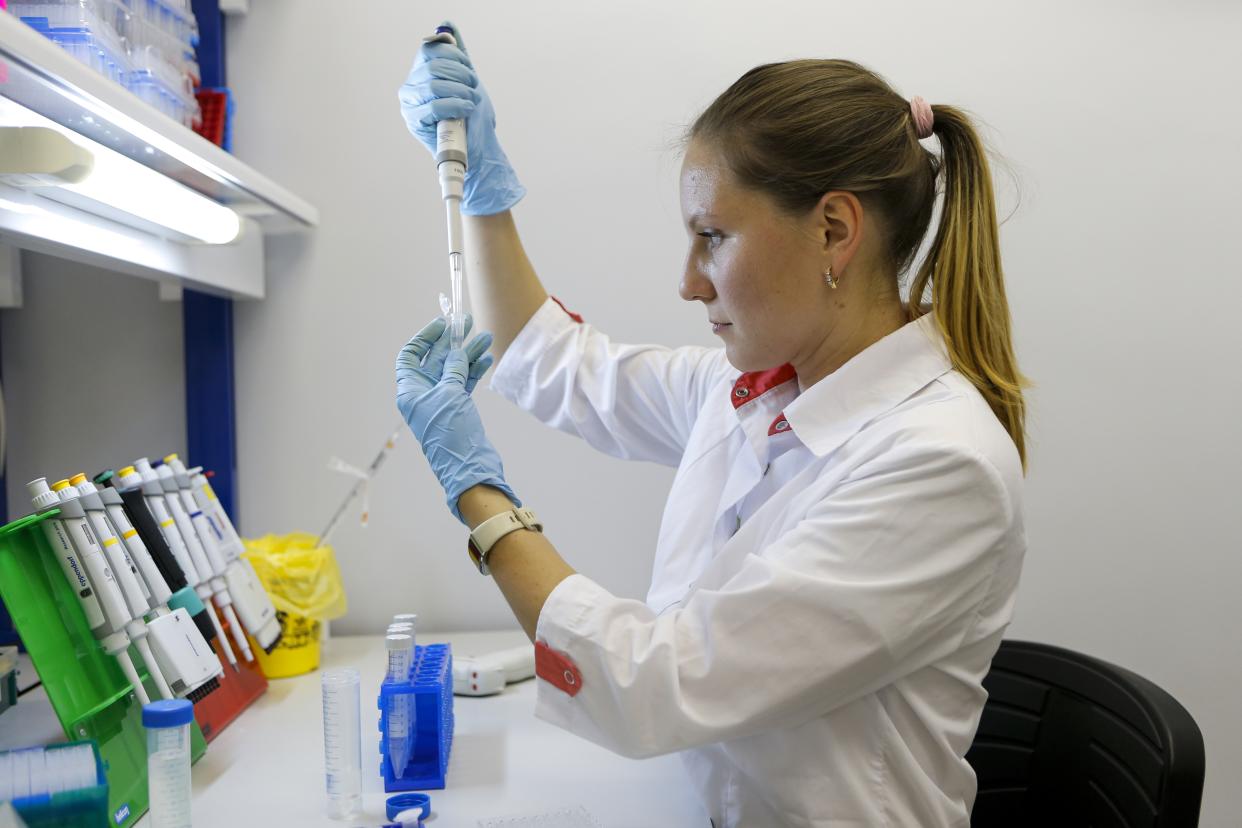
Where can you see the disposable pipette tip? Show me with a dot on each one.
(127, 667)
(220, 636)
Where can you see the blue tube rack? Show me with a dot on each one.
(431, 684)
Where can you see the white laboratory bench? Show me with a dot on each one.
(266, 768)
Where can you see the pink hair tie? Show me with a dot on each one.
(923, 117)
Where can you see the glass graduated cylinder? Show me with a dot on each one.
(342, 747)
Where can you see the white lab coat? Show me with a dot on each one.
(827, 594)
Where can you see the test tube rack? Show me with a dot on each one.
(431, 684)
(239, 688)
(87, 690)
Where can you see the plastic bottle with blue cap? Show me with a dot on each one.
(168, 761)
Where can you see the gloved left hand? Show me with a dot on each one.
(433, 395)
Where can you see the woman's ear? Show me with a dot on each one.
(840, 217)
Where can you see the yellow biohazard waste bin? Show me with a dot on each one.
(306, 589)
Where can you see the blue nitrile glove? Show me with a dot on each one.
(433, 394)
(443, 85)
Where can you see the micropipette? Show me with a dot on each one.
(451, 166)
(125, 573)
(172, 474)
(254, 605)
(141, 502)
(184, 526)
(72, 522)
(169, 515)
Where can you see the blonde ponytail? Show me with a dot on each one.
(967, 283)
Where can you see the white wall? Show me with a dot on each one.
(1122, 125)
(93, 374)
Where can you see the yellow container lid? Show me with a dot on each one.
(60, 485)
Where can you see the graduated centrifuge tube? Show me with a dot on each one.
(342, 746)
(410, 618)
(168, 761)
(398, 647)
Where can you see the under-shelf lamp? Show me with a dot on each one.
(40, 154)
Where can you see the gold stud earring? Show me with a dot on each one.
(830, 279)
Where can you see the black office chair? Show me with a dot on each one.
(1067, 740)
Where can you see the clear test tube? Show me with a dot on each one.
(168, 761)
(342, 746)
(399, 656)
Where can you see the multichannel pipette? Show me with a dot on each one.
(149, 511)
(451, 163)
(137, 503)
(166, 508)
(184, 527)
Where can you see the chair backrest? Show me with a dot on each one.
(1067, 740)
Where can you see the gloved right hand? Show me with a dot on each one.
(443, 85)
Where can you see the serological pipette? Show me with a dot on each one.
(451, 164)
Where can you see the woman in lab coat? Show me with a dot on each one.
(840, 553)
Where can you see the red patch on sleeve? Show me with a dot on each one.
(572, 315)
(557, 669)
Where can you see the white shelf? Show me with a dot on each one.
(38, 75)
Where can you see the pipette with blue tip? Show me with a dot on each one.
(451, 167)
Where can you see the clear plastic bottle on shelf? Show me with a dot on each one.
(145, 45)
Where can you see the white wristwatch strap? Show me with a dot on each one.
(486, 534)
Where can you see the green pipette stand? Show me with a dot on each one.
(87, 689)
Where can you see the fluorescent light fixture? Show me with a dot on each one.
(121, 184)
